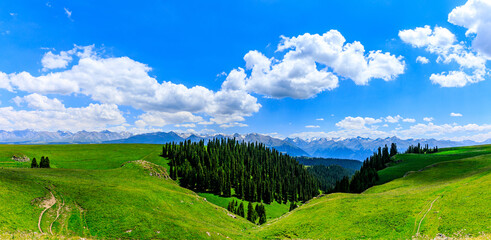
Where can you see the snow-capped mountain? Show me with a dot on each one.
(349, 148)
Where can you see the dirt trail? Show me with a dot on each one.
(431, 205)
(47, 204)
(57, 216)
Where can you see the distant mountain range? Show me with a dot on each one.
(351, 148)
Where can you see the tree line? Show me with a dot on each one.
(329, 175)
(367, 175)
(421, 150)
(254, 213)
(249, 171)
(44, 163)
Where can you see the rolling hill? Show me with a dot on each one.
(122, 191)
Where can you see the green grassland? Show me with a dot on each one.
(103, 199)
(457, 182)
(120, 191)
(83, 156)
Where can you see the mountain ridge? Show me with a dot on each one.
(344, 148)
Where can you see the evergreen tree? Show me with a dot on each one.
(292, 206)
(261, 212)
(240, 210)
(46, 163)
(393, 149)
(251, 213)
(34, 163)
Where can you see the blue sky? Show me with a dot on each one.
(284, 68)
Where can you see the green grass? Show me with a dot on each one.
(105, 200)
(83, 156)
(404, 163)
(107, 197)
(273, 210)
(459, 183)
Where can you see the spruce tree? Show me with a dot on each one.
(46, 162)
(42, 162)
(34, 163)
(241, 211)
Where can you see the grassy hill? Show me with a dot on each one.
(449, 195)
(132, 201)
(122, 191)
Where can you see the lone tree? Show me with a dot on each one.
(34, 163)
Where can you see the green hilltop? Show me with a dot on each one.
(122, 191)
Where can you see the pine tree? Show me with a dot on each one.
(251, 213)
(292, 206)
(46, 163)
(42, 163)
(241, 211)
(34, 163)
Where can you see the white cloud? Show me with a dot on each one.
(233, 124)
(474, 15)
(319, 119)
(409, 120)
(428, 119)
(311, 64)
(92, 117)
(39, 102)
(455, 115)
(357, 122)
(442, 42)
(312, 126)
(123, 81)
(160, 119)
(394, 119)
(422, 60)
(68, 13)
(53, 61)
(186, 125)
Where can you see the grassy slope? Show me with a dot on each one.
(103, 199)
(459, 185)
(83, 156)
(109, 202)
(273, 210)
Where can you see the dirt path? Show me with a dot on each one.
(431, 205)
(57, 216)
(47, 204)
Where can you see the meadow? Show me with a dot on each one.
(122, 191)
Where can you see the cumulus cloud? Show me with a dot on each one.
(54, 61)
(311, 64)
(422, 60)
(428, 119)
(312, 126)
(39, 102)
(455, 115)
(454, 132)
(93, 117)
(319, 119)
(357, 122)
(474, 15)
(409, 120)
(160, 119)
(124, 81)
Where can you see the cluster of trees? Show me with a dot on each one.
(44, 163)
(329, 175)
(421, 150)
(253, 213)
(255, 173)
(367, 175)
